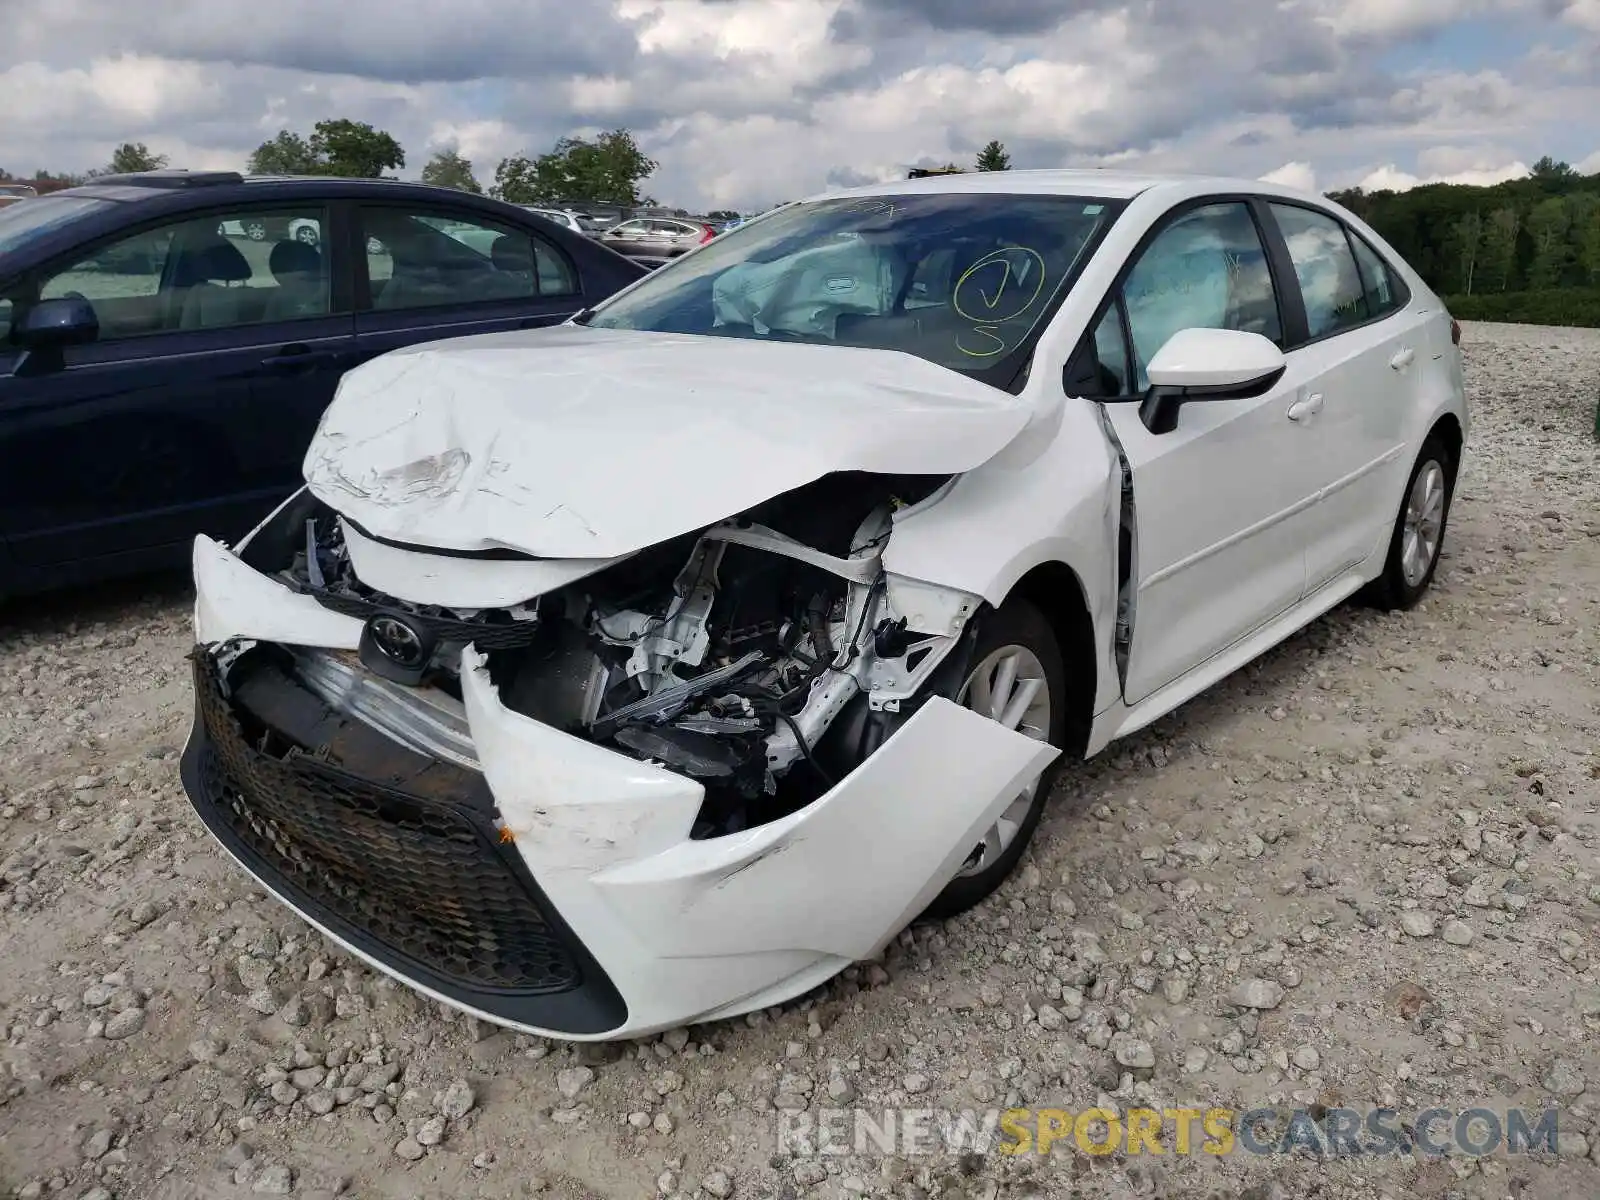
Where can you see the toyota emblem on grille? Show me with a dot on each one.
(398, 641)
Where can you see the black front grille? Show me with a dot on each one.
(425, 879)
(487, 635)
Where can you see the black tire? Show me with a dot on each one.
(1016, 622)
(1392, 591)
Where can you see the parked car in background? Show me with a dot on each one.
(162, 367)
(659, 237)
(595, 225)
(660, 666)
(11, 193)
(567, 220)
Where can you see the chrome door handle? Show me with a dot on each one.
(1402, 358)
(1306, 408)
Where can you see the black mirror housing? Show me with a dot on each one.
(1159, 408)
(56, 324)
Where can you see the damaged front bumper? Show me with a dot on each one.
(545, 882)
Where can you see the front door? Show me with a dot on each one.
(1221, 502)
(191, 412)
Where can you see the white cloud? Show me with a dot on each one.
(745, 102)
(1295, 175)
(1391, 178)
(484, 143)
(137, 90)
(1585, 14)
(1589, 165)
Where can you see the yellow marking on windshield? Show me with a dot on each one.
(1002, 258)
(988, 331)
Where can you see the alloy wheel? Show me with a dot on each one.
(1424, 519)
(1009, 686)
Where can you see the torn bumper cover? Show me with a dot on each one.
(556, 887)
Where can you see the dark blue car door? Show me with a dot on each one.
(222, 338)
(427, 271)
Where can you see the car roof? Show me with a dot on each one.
(152, 186)
(126, 200)
(1095, 184)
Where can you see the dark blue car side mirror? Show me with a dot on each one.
(54, 324)
(48, 328)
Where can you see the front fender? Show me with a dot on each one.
(1053, 502)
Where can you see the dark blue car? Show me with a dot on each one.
(169, 340)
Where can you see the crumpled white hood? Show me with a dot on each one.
(590, 443)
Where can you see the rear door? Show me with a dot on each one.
(192, 410)
(427, 272)
(680, 236)
(1368, 351)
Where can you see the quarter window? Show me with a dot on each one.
(1325, 268)
(1207, 270)
(419, 259)
(1382, 290)
(214, 272)
(1111, 353)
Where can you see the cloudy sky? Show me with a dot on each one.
(750, 102)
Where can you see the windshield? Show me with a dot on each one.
(40, 215)
(966, 280)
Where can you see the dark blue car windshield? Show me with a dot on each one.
(27, 220)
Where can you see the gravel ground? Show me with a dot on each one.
(1362, 872)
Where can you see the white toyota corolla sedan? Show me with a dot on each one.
(655, 667)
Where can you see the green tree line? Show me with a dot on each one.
(1524, 250)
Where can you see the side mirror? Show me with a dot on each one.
(56, 324)
(1207, 364)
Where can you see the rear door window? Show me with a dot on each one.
(1325, 267)
(433, 259)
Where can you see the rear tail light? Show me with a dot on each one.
(706, 234)
(1455, 332)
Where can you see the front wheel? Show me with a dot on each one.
(1418, 533)
(1018, 679)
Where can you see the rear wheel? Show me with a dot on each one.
(1418, 530)
(1018, 679)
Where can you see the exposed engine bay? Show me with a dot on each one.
(762, 656)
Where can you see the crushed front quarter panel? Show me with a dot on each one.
(685, 928)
